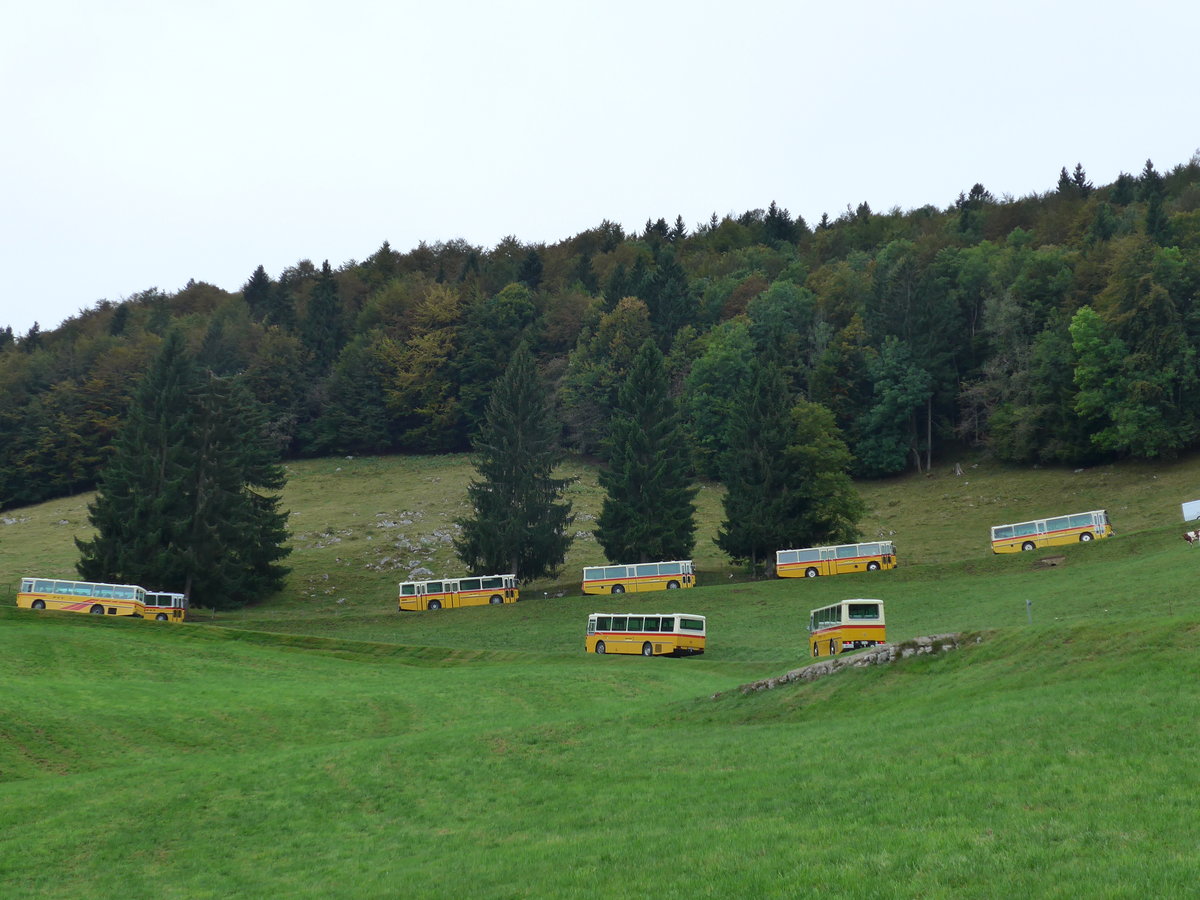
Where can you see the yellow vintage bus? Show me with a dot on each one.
(82, 596)
(650, 634)
(835, 560)
(848, 625)
(655, 576)
(453, 592)
(164, 606)
(1076, 528)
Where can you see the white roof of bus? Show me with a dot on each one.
(644, 615)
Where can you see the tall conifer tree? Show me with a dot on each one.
(185, 501)
(649, 510)
(786, 480)
(520, 521)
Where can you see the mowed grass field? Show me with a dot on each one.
(323, 744)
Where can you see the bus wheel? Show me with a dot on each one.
(647, 650)
(600, 648)
(496, 598)
(618, 588)
(1085, 537)
(1028, 545)
(672, 585)
(810, 573)
(97, 610)
(435, 604)
(39, 604)
(161, 617)
(872, 566)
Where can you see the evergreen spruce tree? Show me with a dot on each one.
(185, 502)
(257, 293)
(786, 480)
(520, 522)
(649, 507)
(322, 333)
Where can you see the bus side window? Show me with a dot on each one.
(667, 624)
(618, 623)
(651, 624)
(604, 623)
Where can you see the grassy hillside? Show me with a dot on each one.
(362, 524)
(311, 747)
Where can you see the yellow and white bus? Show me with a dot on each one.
(454, 592)
(1077, 528)
(836, 560)
(655, 576)
(164, 606)
(650, 634)
(82, 596)
(849, 625)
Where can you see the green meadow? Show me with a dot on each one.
(322, 744)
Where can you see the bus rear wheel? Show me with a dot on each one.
(496, 598)
(810, 573)
(647, 650)
(39, 604)
(97, 610)
(435, 604)
(1085, 537)
(1028, 545)
(600, 648)
(618, 588)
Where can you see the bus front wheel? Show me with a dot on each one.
(434, 604)
(647, 650)
(672, 585)
(39, 604)
(97, 610)
(161, 617)
(1028, 545)
(810, 573)
(600, 648)
(872, 566)
(618, 588)
(496, 598)
(1085, 537)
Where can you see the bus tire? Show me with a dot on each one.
(435, 604)
(872, 566)
(161, 617)
(496, 598)
(811, 573)
(672, 585)
(600, 648)
(1085, 537)
(618, 588)
(97, 610)
(1028, 545)
(39, 604)
(647, 649)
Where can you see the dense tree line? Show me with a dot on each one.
(1057, 327)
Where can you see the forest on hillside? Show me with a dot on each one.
(1060, 327)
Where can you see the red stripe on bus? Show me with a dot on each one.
(841, 627)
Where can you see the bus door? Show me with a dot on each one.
(828, 561)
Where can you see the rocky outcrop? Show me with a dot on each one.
(876, 656)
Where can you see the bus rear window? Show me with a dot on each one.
(864, 610)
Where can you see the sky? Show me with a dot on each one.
(145, 144)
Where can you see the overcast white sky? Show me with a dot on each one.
(146, 143)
